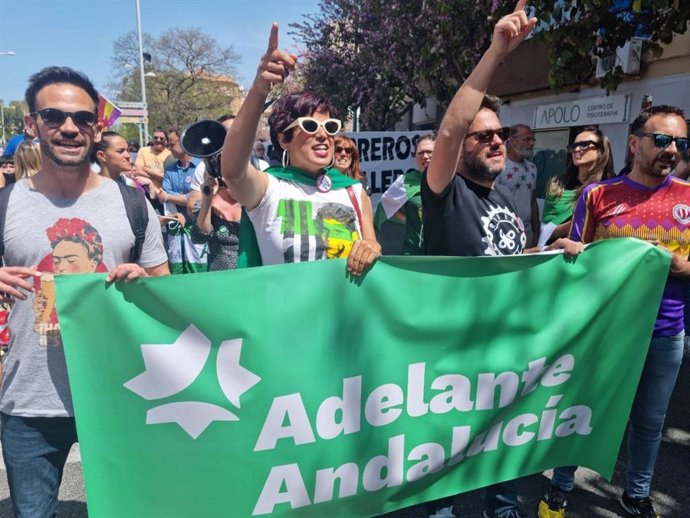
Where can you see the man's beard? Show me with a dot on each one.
(68, 161)
(527, 153)
(478, 170)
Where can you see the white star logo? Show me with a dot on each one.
(171, 368)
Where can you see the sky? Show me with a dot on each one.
(80, 33)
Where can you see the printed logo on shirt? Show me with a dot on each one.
(681, 213)
(313, 231)
(77, 248)
(619, 209)
(505, 232)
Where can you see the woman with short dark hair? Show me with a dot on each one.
(305, 210)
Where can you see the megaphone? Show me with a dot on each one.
(204, 139)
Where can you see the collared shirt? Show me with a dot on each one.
(178, 180)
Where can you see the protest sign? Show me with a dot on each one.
(385, 155)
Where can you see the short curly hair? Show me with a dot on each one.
(292, 106)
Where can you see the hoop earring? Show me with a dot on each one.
(286, 158)
(332, 164)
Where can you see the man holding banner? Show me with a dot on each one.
(65, 219)
(466, 213)
(649, 204)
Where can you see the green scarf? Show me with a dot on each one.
(249, 254)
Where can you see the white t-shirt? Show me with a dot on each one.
(295, 222)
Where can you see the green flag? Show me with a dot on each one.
(403, 189)
(294, 390)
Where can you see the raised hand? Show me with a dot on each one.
(275, 65)
(512, 29)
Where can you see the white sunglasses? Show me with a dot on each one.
(311, 125)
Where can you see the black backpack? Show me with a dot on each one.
(135, 206)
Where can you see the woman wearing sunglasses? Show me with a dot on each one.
(589, 160)
(304, 210)
(347, 158)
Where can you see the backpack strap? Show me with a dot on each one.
(4, 201)
(138, 216)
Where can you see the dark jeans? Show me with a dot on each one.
(647, 416)
(500, 499)
(35, 450)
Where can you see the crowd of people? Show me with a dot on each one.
(471, 194)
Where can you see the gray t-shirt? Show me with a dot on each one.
(62, 236)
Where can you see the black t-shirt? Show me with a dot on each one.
(470, 220)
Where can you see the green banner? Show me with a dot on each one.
(295, 390)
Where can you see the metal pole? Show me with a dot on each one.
(2, 101)
(141, 75)
(2, 113)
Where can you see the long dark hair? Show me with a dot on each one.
(602, 169)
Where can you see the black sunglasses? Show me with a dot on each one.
(348, 150)
(486, 136)
(583, 144)
(54, 118)
(662, 141)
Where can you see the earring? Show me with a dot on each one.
(286, 158)
(332, 164)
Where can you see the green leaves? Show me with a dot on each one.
(382, 56)
(189, 76)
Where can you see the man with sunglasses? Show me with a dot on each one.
(63, 218)
(652, 205)
(465, 212)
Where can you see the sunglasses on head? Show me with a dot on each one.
(311, 125)
(54, 118)
(487, 136)
(582, 145)
(346, 150)
(662, 141)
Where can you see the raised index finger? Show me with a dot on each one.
(520, 6)
(273, 38)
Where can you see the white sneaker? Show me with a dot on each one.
(443, 512)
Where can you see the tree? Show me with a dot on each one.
(190, 75)
(364, 55)
(384, 56)
(14, 117)
(577, 31)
